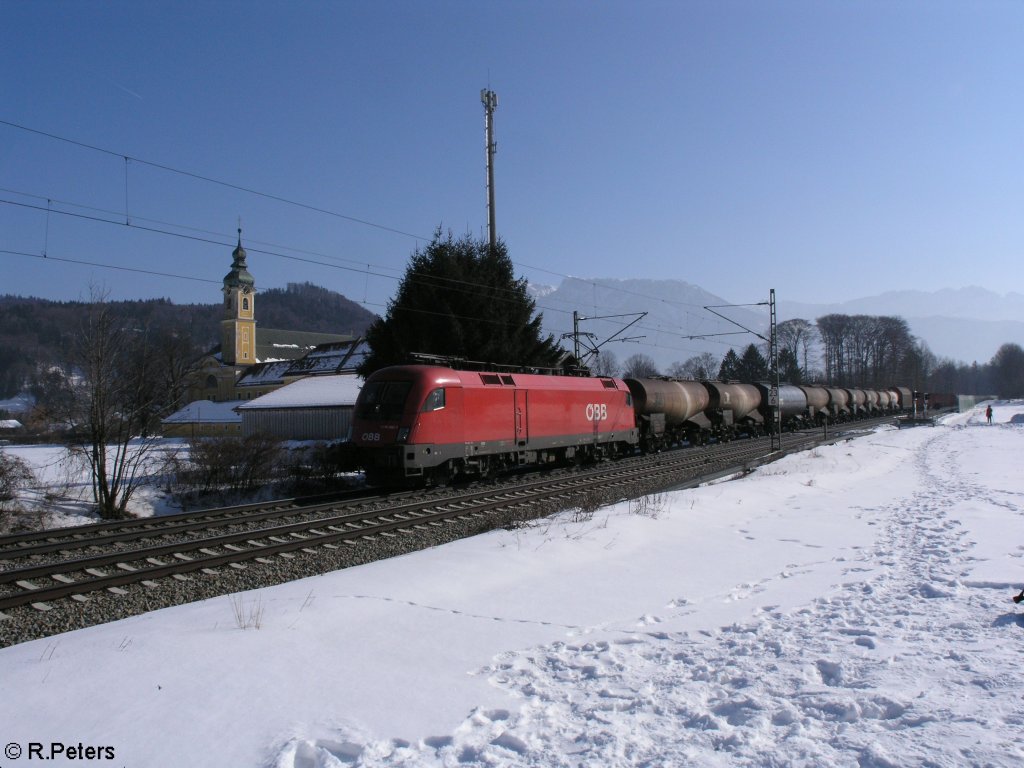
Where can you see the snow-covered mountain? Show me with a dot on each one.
(675, 313)
(964, 324)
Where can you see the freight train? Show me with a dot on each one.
(431, 423)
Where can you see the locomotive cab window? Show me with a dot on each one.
(434, 401)
(383, 399)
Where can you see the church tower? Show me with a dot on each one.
(238, 328)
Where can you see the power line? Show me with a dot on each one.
(65, 260)
(50, 257)
(453, 283)
(306, 206)
(185, 227)
(210, 180)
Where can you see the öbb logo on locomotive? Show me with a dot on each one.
(597, 412)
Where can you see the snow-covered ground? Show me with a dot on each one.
(849, 606)
(61, 494)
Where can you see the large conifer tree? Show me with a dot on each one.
(460, 298)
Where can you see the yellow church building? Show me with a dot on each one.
(250, 361)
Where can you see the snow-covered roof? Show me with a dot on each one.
(262, 374)
(206, 411)
(10, 424)
(336, 357)
(311, 392)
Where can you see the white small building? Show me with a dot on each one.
(313, 408)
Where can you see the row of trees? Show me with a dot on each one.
(460, 299)
(862, 351)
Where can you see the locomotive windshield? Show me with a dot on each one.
(383, 400)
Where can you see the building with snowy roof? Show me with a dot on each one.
(332, 358)
(204, 418)
(311, 408)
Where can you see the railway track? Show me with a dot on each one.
(199, 554)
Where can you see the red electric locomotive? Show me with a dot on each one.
(420, 422)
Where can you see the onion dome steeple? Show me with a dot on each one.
(238, 326)
(239, 276)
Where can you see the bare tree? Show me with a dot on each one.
(833, 330)
(639, 366)
(1008, 370)
(702, 366)
(118, 385)
(799, 337)
(871, 351)
(604, 364)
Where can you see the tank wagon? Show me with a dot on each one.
(858, 402)
(817, 404)
(793, 407)
(734, 408)
(419, 422)
(871, 401)
(670, 411)
(904, 398)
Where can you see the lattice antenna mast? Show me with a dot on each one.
(490, 102)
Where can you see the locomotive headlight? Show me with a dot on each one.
(403, 435)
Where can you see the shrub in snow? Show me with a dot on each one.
(15, 476)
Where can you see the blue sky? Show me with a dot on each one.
(829, 150)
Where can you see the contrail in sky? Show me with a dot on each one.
(126, 90)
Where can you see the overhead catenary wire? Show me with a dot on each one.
(367, 270)
(210, 180)
(459, 286)
(281, 199)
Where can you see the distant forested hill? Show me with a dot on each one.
(35, 333)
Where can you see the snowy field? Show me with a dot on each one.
(62, 492)
(849, 606)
